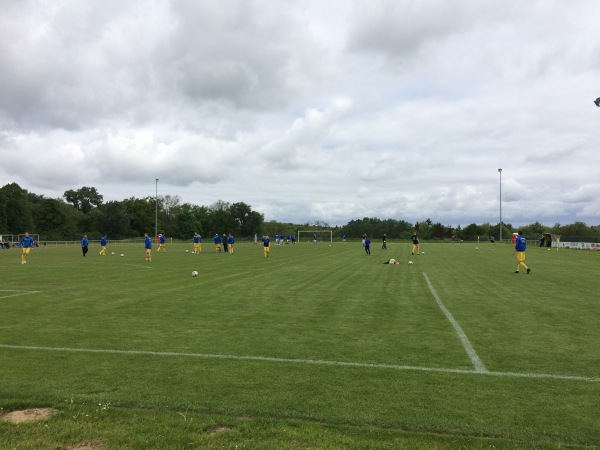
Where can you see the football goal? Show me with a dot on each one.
(36, 238)
(315, 236)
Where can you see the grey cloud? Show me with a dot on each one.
(385, 108)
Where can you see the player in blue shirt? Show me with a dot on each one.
(266, 245)
(26, 243)
(217, 241)
(103, 243)
(148, 247)
(161, 243)
(520, 248)
(230, 242)
(367, 245)
(84, 244)
(197, 243)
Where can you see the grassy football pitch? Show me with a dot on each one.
(317, 346)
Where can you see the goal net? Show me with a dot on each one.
(315, 236)
(36, 238)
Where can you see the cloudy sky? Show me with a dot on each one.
(309, 110)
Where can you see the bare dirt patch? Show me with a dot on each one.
(215, 430)
(28, 415)
(83, 446)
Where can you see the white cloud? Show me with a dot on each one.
(309, 110)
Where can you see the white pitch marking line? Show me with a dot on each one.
(479, 367)
(18, 294)
(138, 265)
(306, 361)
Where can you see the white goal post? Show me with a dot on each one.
(36, 238)
(309, 235)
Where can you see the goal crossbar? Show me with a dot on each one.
(321, 235)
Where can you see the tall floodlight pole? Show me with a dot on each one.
(500, 172)
(156, 210)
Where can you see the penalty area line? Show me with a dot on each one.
(477, 363)
(304, 361)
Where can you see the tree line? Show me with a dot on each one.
(83, 211)
(428, 230)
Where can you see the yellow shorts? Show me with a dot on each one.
(520, 256)
(26, 251)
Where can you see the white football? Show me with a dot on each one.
(422, 253)
(122, 255)
(112, 253)
(410, 263)
(194, 273)
(187, 251)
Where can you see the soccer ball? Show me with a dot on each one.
(113, 253)
(187, 251)
(476, 248)
(122, 255)
(422, 253)
(194, 273)
(410, 263)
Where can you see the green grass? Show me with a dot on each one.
(313, 347)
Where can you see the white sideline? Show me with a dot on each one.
(304, 361)
(479, 367)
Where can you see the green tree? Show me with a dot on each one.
(117, 220)
(186, 221)
(424, 229)
(438, 231)
(219, 218)
(84, 199)
(94, 222)
(141, 212)
(534, 230)
(18, 216)
(73, 221)
(577, 229)
(247, 221)
(49, 218)
(472, 232)
(168, 207)
(3, 212)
